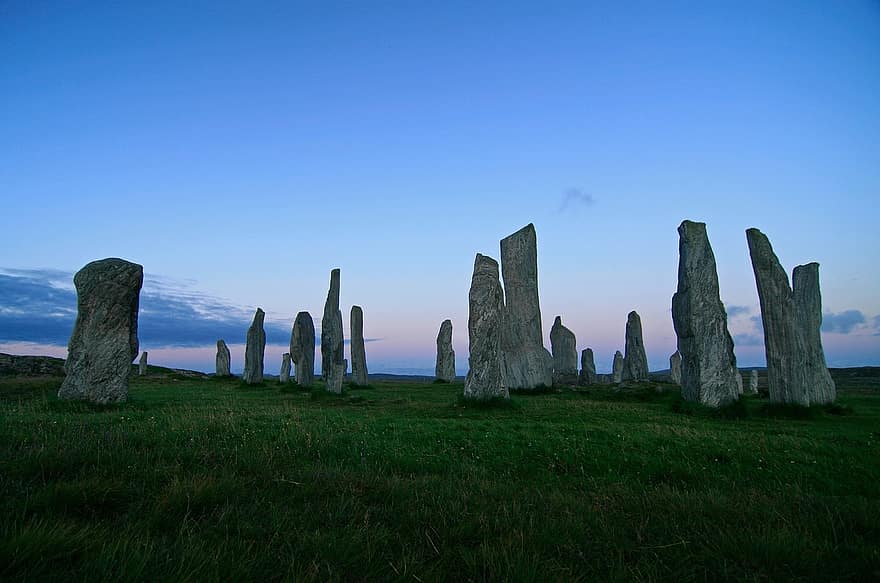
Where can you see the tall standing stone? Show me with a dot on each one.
(284, 375)
(104, 341)
(526, 363)
(564, 347)
(331, 329)
(335, 376)
(254, 350)
(485, 328)
(445, 368)
(358, 353)
(588, 368)
(142, 364)
(753, 382)
(796, 369)
(302, 348)
(617, 368)
(675, 368)
(635, 361)
(221, 362)
(709, 374)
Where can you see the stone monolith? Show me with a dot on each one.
(564, 348)
(302, 349)
(104, 341)
(587, 375)
(753, 382)
(331, 328)
(445, 368)
(635, 361)
(255, 348)
(284, 375)
(335, 376)
(358, 353)
(739, 383)
(485, 328)
(675, 368)
(142, 364)
(617, 368)
(221, 361)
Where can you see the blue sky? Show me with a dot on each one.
(239, 151)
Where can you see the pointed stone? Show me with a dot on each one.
(221, 362)
(104, 341)
(796, 369)
(302, 348)
(753, 382)
(564, 347)
(331, 328)
(675, 368)
(142, 364)
(708, 371)
(445, 368)
(635, 361)
(358, 352)
(617, 368)
(284, 375)
(254, 350)
(526, 363)
(485, 323)
(588, 368)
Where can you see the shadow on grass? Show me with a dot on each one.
(734, 410)
(495, 403)
(539, 390)
(791, 411)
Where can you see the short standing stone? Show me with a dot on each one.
(142, 364)
(358, 352)
(675, 368)
(588, 368)
(739, 382)
(104, 341)
(331, 328)
(445, 368)
(222, 360)
(254, 350)
(485, 321)
(753, 382)
(564, 347)
(284, 375)
(617, 368)
(635, 361)
(302, 348)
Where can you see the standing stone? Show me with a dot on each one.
(358, 353)
(739, 383)
(336, 375)
(254, 350)
(284, 375)
(617, 368)
(709, 374)
(445, 368)
(104, 341)
(796, 369)
(564, 347)
(302, 348)
(222, 360)
(753, 382)
(675, 368)
(142, 364)
(588, 368)
(526, 364)
(331, 328)
(485, 324)
(635, 361)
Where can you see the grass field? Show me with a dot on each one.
(207, 479)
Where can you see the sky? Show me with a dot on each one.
(239, 151)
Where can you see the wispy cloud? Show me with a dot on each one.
(734, 311)
(844, 322)
(748, 340)
(575, 197)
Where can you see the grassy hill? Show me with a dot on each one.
(205, 479)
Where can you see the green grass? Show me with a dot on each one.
(208, 479)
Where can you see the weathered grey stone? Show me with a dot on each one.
(796, 369)
(104, 341)
(526, 364)
(358, 353)
(564, 347)
(739, 383)
(336, 375)
(331, 328)
(675, 368)
(254, 350)
(222, 360)
(302, 348)
(588, 368)
(142, 364)
(284, 375)
(709, 374)
(753, 382)
(445, 368)
(635, 361)
(485, 328)
(617, 368)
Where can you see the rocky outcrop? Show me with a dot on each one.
(796, 368)
(617, 368)
(358, 353)
(222, 360)
(445, 368)
(485, 329)
(284, 375)
(635, 361)
(104, 341)
(675, 368)
(709, 374)
(254, 350)
(753, 382)
(302, 348)
(142, 364)
(564, 347)
(588, 368)
(526, 363)
(331, 328)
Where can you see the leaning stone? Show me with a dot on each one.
(104, 341)
(587, 375)
(617, 368)
(635, 361)
(254, 350)
(564, 347)
(302, 348)
(222, 360)
(675, 368)
(485, 321)
(358, 353)
(284, 375)
(753, 382)
(331, 328)
(142, 364)
(445, 368)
